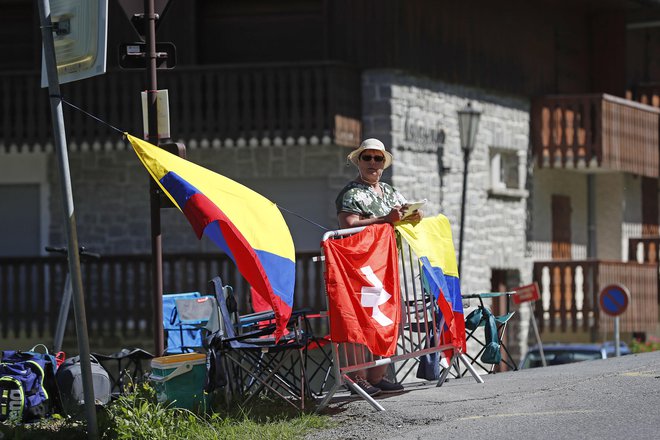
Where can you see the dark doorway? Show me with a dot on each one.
(561, 227)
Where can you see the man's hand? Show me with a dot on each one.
(394, 215)
(416, 215)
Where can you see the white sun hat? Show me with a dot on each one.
(370, 144)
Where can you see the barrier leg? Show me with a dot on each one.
(470, 368)
(338, 382)
(362, 393)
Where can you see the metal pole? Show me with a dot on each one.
(73, 257)
(536, 333)
(466, 159)
(617, 338)
(156, 238)
(591, 251)
(63, 315)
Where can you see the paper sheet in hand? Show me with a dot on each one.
(411, 207)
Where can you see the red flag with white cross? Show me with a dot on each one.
(362, 282)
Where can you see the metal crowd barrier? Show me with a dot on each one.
(418, 327)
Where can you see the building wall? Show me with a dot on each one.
(21, 235)
(618, 212)
(561, 182)
(631, 225)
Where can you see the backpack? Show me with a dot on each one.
(27, 385)
(69, 381)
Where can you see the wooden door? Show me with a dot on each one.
(561, 227)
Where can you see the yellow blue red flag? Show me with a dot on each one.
(244, 224)
(432, 242)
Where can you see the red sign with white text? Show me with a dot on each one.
(526, 293)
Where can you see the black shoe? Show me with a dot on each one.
(388, 387)
(366, 386)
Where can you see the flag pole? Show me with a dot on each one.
(73, 257)
(154, 201)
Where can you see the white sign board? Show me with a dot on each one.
(163, 117)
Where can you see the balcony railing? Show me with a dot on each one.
(644, 249)
(264, 103)
(646, 93)
(569, 295)
(118, 299)
(595, 131)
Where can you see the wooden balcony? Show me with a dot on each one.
(595, 132)
(219, 105)
(569, 295)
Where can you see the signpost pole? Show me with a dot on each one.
(530, 294)
(73, 257)
(156, 238)
(536, 333)
(617, 339)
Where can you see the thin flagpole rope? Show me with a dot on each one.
(304, 218)
(123, 131)
(88, 114)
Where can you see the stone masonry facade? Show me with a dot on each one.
(417, 117)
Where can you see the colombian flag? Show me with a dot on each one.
(432, 242)
(244, 224)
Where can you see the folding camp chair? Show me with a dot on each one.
(124, 367)
(318, 358)
(186, 318)
(480, 319)
(245, 359)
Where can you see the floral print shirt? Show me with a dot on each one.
(361, 199)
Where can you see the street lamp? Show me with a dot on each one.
(468, 124)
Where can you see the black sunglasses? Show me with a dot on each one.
(368, 157)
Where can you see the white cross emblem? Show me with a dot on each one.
(375, 296)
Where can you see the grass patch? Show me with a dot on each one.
(137, 415)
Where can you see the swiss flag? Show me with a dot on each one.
(362, 282)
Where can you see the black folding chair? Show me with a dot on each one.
(124, 367)
(245, 359)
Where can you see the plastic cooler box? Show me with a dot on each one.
(179, 380)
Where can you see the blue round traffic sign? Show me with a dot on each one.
(614, 299)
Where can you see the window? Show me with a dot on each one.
(507, 169)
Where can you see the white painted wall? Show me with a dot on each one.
(618, 211)
(29, 168)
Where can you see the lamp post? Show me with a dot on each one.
(468, 124)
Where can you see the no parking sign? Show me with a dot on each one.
(614, 299)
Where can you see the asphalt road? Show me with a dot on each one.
(617, 398)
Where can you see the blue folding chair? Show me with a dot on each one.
(185, 316)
